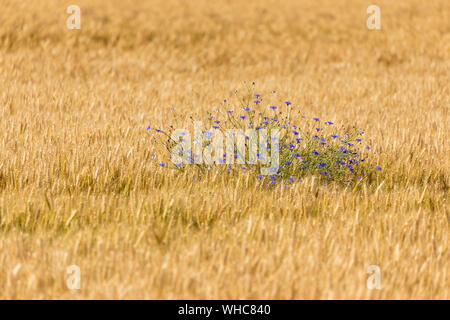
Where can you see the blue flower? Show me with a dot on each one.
(288, 103)
(230, 111)
(216, 127)
(357, 139)
(260, 177)
(334, 136)
(162, 164)
(246, 109)
(318, 129)
(287, 163)
(148, 128)
(157, 130)
(217, 121)
(257, 95)
(367, 147)
(291, 179)
(257, 101)
(321, 164)
(273, 107)
(378, 168)
(316, 119)
(243, 117)
(315, 152)
(330, 123)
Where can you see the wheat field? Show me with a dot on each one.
(81, 184)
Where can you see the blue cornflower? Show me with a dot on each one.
(367, 147)
(288, 103)
(258, 128)
(324, 172)
(260, 177)
(291, 145)
(316, 119)
(288, 163)
(357, 139)
(358, 178)
(321, 164)
(162, 164)
(217, 121)
(299, 139)
(243, 117)
(246, 109)
(296, 132)
(378, 168)
(179, 164)
(291, 179)
(334, 136)
(273, 107)
(330, 123)
(257, 101)
(315, 152)
(148, 128)
(157, 130)
(316, 137)
(266, 122)
(297, 155)
(230, 111)
(273, 177)
(257, 95)
(318, 129)
(216, 127)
